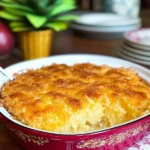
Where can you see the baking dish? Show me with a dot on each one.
(116, 137)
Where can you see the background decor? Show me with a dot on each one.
(122, 7)
(36, 16)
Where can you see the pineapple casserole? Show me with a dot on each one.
(75, 99)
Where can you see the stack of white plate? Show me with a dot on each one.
(105, 25)
(136, 46)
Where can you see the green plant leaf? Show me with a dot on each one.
(7, 0)
(17, 12)
(61, 9)
(20, 29)
(69, 2)
(42, 3)
(57, 26)
(67, 18)
(14, 24)
(8, 16)
(56, 2)
(36, 21)
(15, 6)
(17, 26)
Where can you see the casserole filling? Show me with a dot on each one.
(74, 99)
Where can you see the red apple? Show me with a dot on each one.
(7, 39)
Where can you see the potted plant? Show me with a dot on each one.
(34, 21)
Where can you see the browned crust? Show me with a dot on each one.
(47, 98)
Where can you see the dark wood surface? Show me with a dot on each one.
(68, 42)
(63, 43)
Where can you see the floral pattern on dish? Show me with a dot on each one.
(142, 145)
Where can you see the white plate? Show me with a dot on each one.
(105, 29)
(124, 56)
(134, 55)
(136, 51)
(139, 38)
(106, 19)
(137, 45)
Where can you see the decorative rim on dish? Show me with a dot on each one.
(144, 144)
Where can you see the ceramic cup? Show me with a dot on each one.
(122, 7)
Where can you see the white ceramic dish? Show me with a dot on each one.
(129, 58)
(134, 55)
(98, 34)
(106, 19)
(139, 38)
(104, 29)
(137, 45)
(71, 59)
(136, 50)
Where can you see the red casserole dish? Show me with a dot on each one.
(114, 138)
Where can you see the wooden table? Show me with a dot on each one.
(64, 42)
(69, 42)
